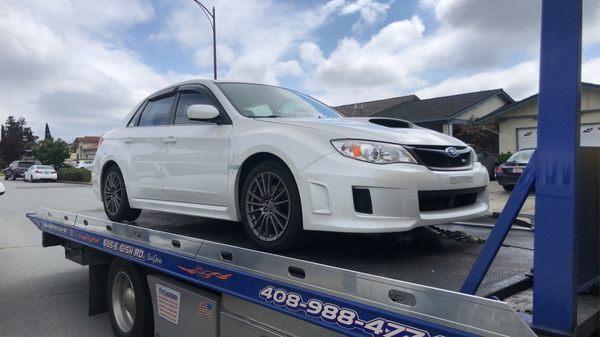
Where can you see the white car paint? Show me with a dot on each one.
(2, 189)
(40, 172)
(194, 169)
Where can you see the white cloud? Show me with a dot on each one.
(476, 45)
(287, 68)
(62, 64)
(519, 81)
(310, 53)
(370, 11)
(258, 33)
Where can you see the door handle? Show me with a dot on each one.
(128, 140)
(170, 140)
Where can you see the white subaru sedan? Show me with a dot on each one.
(283, 163)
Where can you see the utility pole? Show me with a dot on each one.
(211, 16)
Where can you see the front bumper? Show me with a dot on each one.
(326, 190)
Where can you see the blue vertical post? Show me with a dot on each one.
(555, 289)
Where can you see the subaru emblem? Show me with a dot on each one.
(451, 152)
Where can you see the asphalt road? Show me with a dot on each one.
(43, 294)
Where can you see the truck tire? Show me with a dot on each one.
(129, 302)
(114, 197)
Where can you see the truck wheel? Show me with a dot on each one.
(270, 207)
(129, 302)
(114, 197)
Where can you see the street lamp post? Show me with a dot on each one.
(210, 15)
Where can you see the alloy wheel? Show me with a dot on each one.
(267, 206)
(113, 193)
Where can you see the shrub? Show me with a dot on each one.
(74, 174)
(503, 157)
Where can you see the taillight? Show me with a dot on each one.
(499, 169)
(38, 171)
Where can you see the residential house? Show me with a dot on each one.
(368, 109)
(84, 148)
(518, 121)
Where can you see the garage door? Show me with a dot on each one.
(526, 138)
(590, 136)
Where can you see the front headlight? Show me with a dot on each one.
(373, 152)
(474, 156)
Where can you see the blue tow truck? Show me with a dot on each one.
(157, 278)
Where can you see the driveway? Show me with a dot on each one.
(499, 197)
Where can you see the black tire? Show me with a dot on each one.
(508, 188)
(141, 323)
(265, 235)
(14, 177)
(116, 204)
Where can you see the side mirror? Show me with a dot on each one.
(202, 112)
(2, 190)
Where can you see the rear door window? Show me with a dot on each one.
(157, 112)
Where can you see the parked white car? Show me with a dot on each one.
(86, 164)
(40, 173)
(282, 163)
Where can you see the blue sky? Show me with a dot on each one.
(81, 65)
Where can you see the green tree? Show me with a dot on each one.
(47, 134)
(16, 140)
(52, 152)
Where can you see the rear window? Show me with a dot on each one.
(44, 167)
(25, 163)
(521, 156)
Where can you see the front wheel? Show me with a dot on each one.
(129, 302)
(114, 197)
(270, 207)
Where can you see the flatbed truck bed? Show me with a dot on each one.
(352, 285)
(422, 256)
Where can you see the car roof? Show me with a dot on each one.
(199, 81)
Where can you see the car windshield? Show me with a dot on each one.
(521, 156)
(25, 163)
(265, 101)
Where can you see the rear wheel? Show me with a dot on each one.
(114, 197)
(129, 302)
(270, 207)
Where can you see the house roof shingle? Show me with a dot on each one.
(500, 112)
(439, 108)
(370, 108)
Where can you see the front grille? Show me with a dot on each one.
(447, 199)
(436, 157)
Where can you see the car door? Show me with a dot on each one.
(145, 147)
(197, 160)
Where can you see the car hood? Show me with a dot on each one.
(393, 130)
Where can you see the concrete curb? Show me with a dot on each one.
(88, 183)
